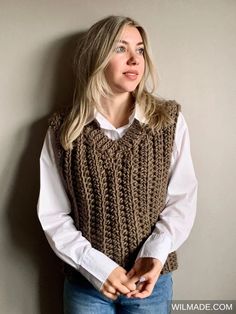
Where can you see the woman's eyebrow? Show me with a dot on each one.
(126, 43)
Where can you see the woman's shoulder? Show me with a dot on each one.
(162, 109)
(57, 118)
(163, 103)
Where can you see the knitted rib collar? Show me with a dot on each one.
(134, 134)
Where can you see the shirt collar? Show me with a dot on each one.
(105, 124)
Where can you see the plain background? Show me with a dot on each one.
(193, 43)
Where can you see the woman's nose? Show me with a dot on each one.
(132, 59)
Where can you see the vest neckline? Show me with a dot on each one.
(95, 134)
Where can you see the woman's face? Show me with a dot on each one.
(126, 66)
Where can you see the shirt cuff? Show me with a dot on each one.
(158, 246)
(96, 267)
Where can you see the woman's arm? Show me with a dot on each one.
(54, 214)
(176, 220)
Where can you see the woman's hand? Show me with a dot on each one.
(148, 269)
(117, 283)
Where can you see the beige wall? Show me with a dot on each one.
(194, 47)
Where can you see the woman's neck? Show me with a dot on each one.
(117, 108)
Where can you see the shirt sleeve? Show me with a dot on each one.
(177, 218)
(54, 214)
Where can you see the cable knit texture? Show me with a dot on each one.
(118, 188)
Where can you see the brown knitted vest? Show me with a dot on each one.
(118, 188)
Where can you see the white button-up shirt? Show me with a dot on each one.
(171, 230)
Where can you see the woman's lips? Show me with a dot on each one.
(132, 75)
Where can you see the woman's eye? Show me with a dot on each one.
(120, 49)
(141, 51)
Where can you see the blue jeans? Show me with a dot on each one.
(80, 297)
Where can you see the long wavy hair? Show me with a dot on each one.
(92, 56)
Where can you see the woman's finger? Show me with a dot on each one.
(145, 292)
(110, 295)
(122, 288)
(111, 289)
(131, 273)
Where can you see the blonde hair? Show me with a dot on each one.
(93, 54)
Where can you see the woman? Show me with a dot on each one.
(118, 188)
